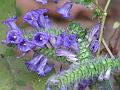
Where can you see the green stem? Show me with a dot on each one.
(96, 3)
(107, 48)
(102, 25)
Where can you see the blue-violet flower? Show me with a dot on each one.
(40, 39)
(10, 23)
(94, 32)
(39, 65)
(35, 18)
(33, 64)
(13, 37)
(42, 1)
(94, 45)
(25, 45)
(44, 21)
(60, 40)
(65, 9)
(31, 18)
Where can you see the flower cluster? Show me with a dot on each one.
(64, 45)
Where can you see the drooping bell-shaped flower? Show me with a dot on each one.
(44, 21)
(66, 41)
(61, 52)
(94, 45)
(68, 54)
(60, 40)
(31, 18)
(39, 65)
(94, 32)
(10, 22)
(43, 70)
(13, 37)
(37, 19)
(33, 64)
(70, 42)
(40, 39)
(65, 9)
(25, 45)
(42, 1)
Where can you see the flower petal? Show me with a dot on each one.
(65, 9)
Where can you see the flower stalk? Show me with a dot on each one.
(102, 25)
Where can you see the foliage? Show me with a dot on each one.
(84, 65)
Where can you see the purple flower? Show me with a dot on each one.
(69, 55)
(83, 84)
(60, 40)
(41, 11)
(69, 40)
(55, 1)
(39, 65)
(44, 21)
(61, 52)
(65, 9)
(42, 1)
(33, 64)
(36, 18)
(13, 37)
(25, 45)
(94, 32)
(10, 23)
(31, 18)
(40, 39)
(48, 68)
(94, 45)
(43, 70)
